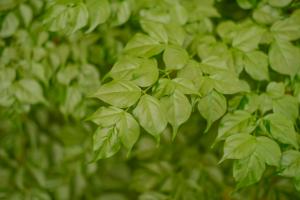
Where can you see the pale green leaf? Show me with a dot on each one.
(143, 45)
(9, 25)
(26, 13)
(155, 30)
(175, 57)
(151, 115)
(106, 116)
(286, 106)
(186, 86)
(192, 72)
(29, 91)
(99, 12)
(142, 71)
(106, 143)
(249, 170)
(232, 123)
(279, 3)
(121, 94)
(226, 83)
(268, 151)
(129, 130)
(290, 163)
(178, 109)
(212, 107)
(287, 29)
(239, 146)
(275, 89)
(284, 57)
(256, 65)
(281, 129)
(247, 38)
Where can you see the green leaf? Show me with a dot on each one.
(186, 86)
(129, 130)
(143, 46)
(226, 83)
(249, 170)
(178, 13)
(178, 109)
(29, 91)
(155, 30)
(212, 107)
(151, 115)
(122, 11)
(286, 106)
(268, 151)
(81, 17)
(175, 57)
(191, 71)
(72, 99)
(141, 71)
(99, 12)
(266, 14)
(275, 90)
(176, 34)
(282, 129)
(245, 4)
(256, 65)
(26, 13)
(165, 87)
(239, 146)
(287, 29)
(106, 143)
(236, 122)
(121, 94)
(284, 57)
(10, 25)
(247, 38)
(290, 163)
(106, 116)
(279, 3)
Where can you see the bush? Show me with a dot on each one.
(149, 99)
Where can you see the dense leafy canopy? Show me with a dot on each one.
(136, 99)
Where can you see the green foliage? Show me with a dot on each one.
(135, 99)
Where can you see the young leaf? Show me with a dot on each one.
(268, 151)
(247, 38)
(185, 86)
(106, 116)
(290, 163)
(151, 115)
(287, 106)
(28, 91)
(121, 94)
(142, 71)
(143, 46)
(99, 12)
(239, 146)
(275, 90)
(155, 30)
(232, 123)
(287, 29)
(129, 130)
(284, 57)
(256, 65)
(178, 109)
(282, 129)
(175, 57)
(226, 83)
(9, 25)
(106, 142)
(249, 170)
(212, 107)
(279, 3)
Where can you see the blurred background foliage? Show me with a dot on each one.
(48, 67)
